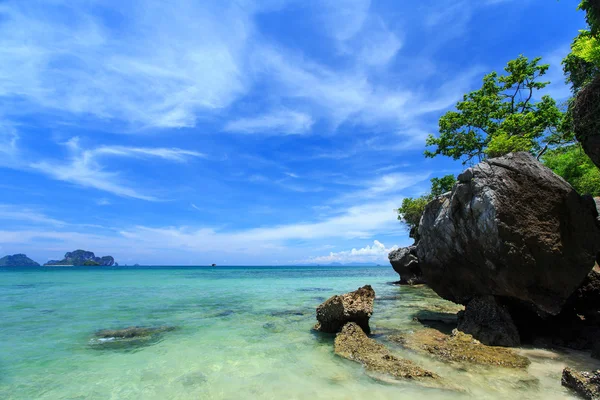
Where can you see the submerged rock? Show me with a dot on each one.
(586, 384)
(510, 228)
(406, 264)
(338, 310)
(489, 322)
(460, 347)
(131, 336)
(352, 343)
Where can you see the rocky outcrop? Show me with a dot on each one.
(460, 347)
(17, 260)
(512, 229)
(406, 264)
(586, 384)
(352, 343)
(338, 310)
(489, 322)
(83, 258)
(586, 119)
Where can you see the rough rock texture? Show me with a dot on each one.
(586, 119)
(460, 347)
(406, 264)
(352, 343)
(509, 228)
(82, 257)
(489, 322)
(355, 306)
(586, 384)
(17, 260)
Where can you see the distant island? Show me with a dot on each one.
(82, 258)
(17, 260)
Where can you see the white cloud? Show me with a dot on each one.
(8, 139)
(84, 168)
(11, 212)
(343, 19)
(165, 65)
(375, 253)
(285, 122)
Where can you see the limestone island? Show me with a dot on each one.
(82, 258)
(17, 260)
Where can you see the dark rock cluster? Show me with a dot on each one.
(515, 244)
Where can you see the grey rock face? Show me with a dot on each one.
(510, 228)
(355, 306)
(489, 322)
(406, 264)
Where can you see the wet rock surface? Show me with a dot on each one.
(510, 228)
(460, 347)
(338, 310)
(352, 343)
(586, 384)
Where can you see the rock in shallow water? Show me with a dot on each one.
(128, 337)
(460, 347)
(509, 228)
(352, 343)
(406, 264)
(586, 384)
(355, 306)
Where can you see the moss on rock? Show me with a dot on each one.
(460, 347)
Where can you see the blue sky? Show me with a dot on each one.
(239, 132)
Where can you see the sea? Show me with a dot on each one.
(239, 333)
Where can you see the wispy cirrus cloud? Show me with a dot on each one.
(85, 169)
(286, 122)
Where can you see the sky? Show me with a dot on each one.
(242, 132)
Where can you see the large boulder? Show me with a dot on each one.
(406, 264)
(489, 322)
(513, 229)
(337, 311)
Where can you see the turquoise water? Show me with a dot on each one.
(242, 333)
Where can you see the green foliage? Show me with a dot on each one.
(442, 185)
(412, 208)
(583, 63)
(575, 167)
(500, 117)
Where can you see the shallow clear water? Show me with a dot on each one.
(241, 333)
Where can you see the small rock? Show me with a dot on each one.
(352, 343)
(586, 384)
(355, 306)
(406, 264)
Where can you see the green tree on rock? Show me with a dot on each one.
(412, 208)
(500, 117)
